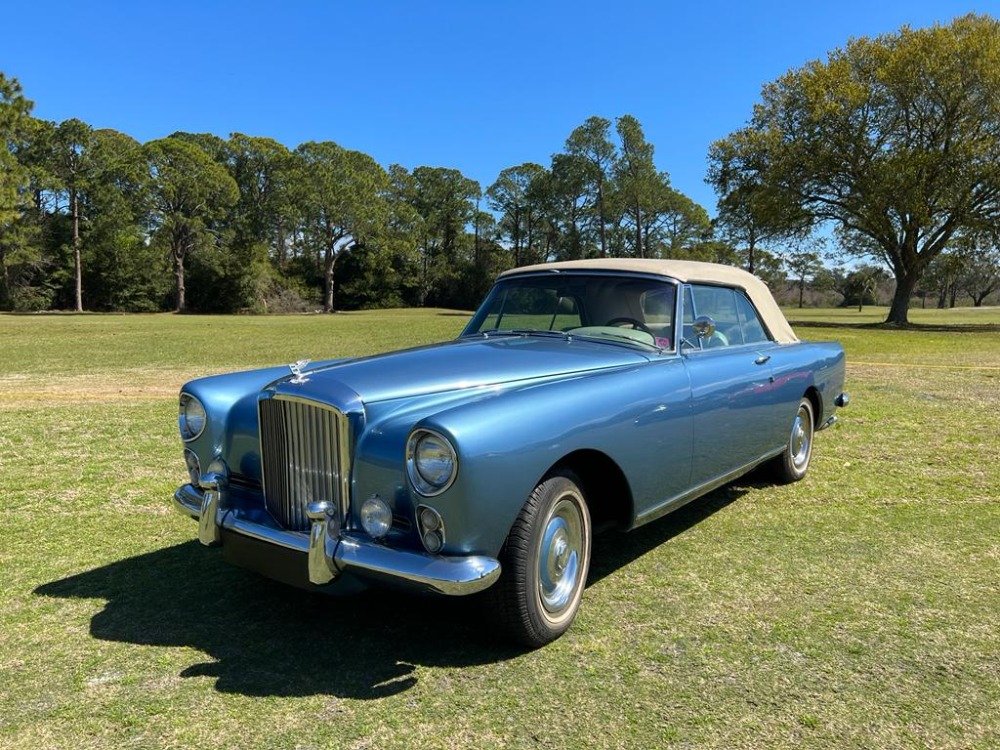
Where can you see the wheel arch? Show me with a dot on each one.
(812, 393)
(608, 494)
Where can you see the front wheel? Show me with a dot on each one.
(545, 562)
(793, 464)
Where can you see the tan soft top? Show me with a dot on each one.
(689, 272)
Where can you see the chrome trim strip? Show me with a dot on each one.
(452, 576)
(668, 506)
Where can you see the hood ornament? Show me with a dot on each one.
(296, 368)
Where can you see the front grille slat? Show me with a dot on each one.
(302, 458)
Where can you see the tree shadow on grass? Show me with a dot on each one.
(267, 639)
(917, 327)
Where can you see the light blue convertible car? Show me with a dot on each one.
(581, 396)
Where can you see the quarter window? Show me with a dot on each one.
(753, 329)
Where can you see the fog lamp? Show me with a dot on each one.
(433, 542)
(376, 517)
(429, 519)
(431, 528)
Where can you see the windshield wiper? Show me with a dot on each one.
(540, 332)
(523, 332)
(614, 338)
(618, 337)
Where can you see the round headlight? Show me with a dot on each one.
(430, 462)
(376, 517)
(191, 417)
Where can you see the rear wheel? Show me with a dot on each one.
(545, 562)
(793, 464)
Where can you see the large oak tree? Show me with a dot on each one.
(895, 140)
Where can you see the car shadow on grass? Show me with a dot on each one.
(613, 550)
(267, 639)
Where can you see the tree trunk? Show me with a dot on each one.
(331, 260)
(179, 276)
(5, 279)
(77, 263)
(282, 248)
(530, 236)
(517, 239)
(600, 218)
(900, 309)
(802, 291)
(638, 231)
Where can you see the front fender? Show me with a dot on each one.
(638, 416)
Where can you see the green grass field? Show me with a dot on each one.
(859, 608)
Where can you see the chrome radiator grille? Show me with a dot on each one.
(304, 458)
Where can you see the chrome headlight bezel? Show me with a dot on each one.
(424, 448)
(193, 466)
(191, 417)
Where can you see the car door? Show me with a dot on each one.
(730, 379)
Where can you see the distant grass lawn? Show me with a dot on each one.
(859, 608)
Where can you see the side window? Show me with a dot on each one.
(719, 303)
(753, 329)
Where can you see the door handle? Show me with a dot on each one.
(763, 359)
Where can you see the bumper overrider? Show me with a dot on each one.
(329, 551)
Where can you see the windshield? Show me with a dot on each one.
(614, 308)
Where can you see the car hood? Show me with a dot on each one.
(458, 365)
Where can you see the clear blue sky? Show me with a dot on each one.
(478, 86)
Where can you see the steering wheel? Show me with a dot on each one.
(637, 325)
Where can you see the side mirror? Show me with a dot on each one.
(704, 326)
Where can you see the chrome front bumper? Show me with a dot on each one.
(331, 553)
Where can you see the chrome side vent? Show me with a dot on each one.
(304, 458)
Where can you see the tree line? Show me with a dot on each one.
(94, 220)
(888, 152)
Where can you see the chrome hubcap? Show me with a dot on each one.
(801, 438)
(559, 557)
